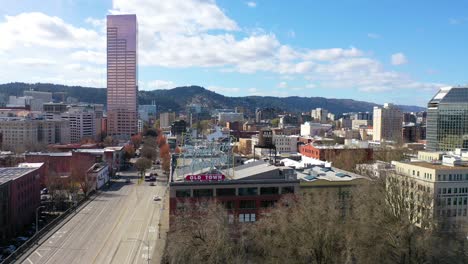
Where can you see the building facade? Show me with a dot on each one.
(447, 120)
(122, 75)
(19, 191)
(82, 123)
(166, 119)
(22, 134)
(387, 123)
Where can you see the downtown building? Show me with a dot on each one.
(447, 120)
(122, 75)
(21, 134)
(387, 123)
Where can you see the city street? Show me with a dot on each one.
(118, 226)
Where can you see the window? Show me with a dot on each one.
(246, 218)
(287, 189)
(449, 201)
(465, 200)
(449, 190)
(450, 177)
(269, 190)
(455, 190)
(267, 203)
(182, 193)
(226, 192)
(248, 191)
(444, 191)
(247, 204)
(203, 193)
(228, 204)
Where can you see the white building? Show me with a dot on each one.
(309, 129)
(82, 123)
(319, 114)
(284, 144)
(387, 123)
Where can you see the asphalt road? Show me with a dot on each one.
(118, 226)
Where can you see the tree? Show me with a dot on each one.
(275, 122)
(129, 151)
(148, 152)
(142, 164)
(136, 140)
(108, 141)
(165, 157)
(202, 234)
(311, 230)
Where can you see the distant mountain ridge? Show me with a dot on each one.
(177, 98)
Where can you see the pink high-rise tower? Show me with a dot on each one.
(122, 75)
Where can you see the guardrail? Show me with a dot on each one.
(42, 232)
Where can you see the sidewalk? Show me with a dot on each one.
(161, 242)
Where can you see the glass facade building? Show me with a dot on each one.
(122, 75)
(447, 120)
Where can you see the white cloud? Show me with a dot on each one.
(39, 30)
(223, 90)
(159, 84)
(373, 35)
(282, 85)
(251, 4)
(182, 16)
(96, 57)
(399, 59)
(182, 34)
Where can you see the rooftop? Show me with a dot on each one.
(13, 173)
(330, 174)
(435, 166)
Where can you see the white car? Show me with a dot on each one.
(156, 198)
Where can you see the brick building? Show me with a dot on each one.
(19, 198)
(254, 187)
(329, 153)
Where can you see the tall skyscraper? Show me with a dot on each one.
(387, 123)
(447, 119)
(122, 75)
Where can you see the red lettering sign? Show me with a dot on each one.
(205, 177)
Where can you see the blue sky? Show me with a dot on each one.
(379, 51)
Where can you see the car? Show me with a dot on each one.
(127, 180)
(156, 198)
(44, 191)
(152, 184)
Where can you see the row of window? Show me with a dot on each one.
(250, 191)
(452, 201)
(452, 212)
(454, 177)
(449, 190)
(243, 204)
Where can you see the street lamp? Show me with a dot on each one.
(37, 220)
(147, 246)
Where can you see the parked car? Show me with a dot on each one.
(152, 184)
(8, 250)
(127, 180)
(156, 198)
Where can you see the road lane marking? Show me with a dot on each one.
(38, 253)
(30, 261)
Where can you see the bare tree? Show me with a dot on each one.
(202, 234)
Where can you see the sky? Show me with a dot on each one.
(378, 51)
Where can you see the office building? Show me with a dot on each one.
(122, 75)
(230, 117)
(166, 119)
(444, 182)
(447, 119)
(319, 114)
(387, 123)
(309, 129)
(82, 123)
(21, 134)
